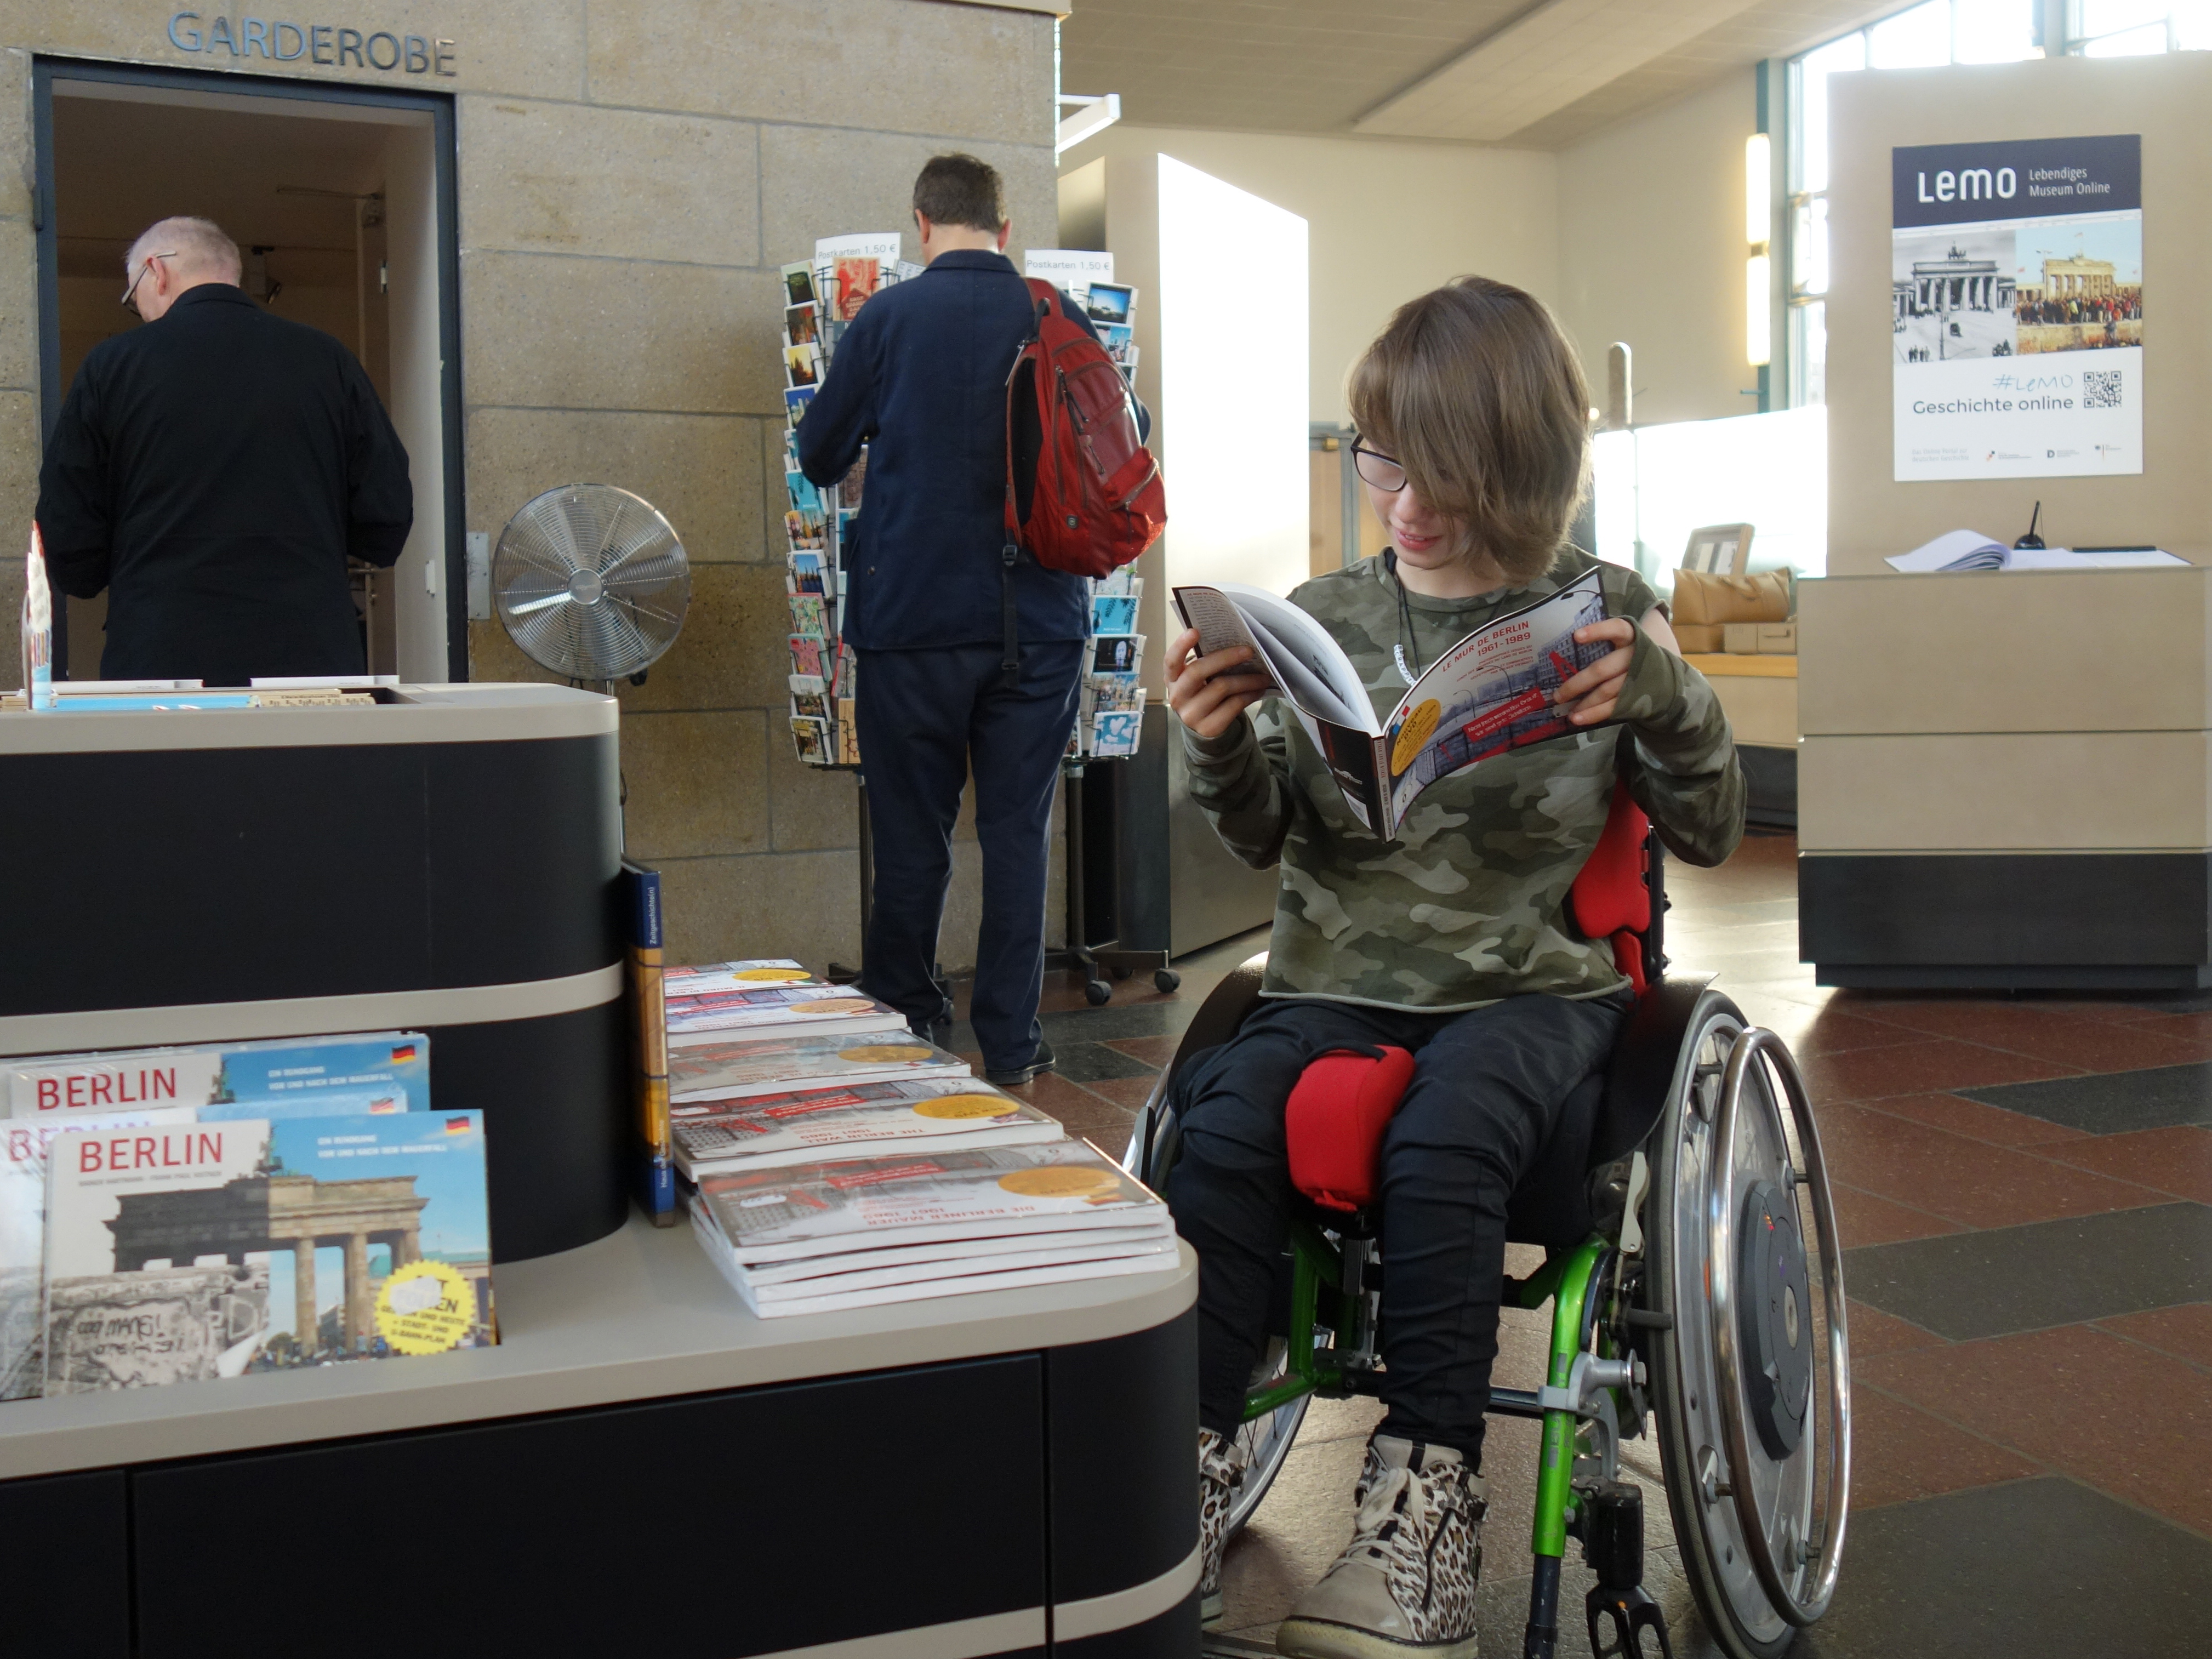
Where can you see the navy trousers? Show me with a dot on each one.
(1488, 1091)
(927, 717)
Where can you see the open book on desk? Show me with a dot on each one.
(1969, 549)
(1491, 692)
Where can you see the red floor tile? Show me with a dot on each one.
(2111, 1413)
(1874, 1332)
(1899, 1452)
(2184, 1332)
(2176, 1161)
(2106, 1046)
(1823, 1031)
(1152, 1050)
(1968, 1182)
(1917, 1067)
(1975, 1122)
(1864, 1218)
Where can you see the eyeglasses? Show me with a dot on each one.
(144, 266)
(1380, 471)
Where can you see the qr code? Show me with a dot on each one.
(2100, 388)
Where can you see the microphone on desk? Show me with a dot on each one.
(2031, 539)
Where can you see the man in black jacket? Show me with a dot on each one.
(934, 611)
(213, 469)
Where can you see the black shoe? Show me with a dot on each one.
(1014, 1077)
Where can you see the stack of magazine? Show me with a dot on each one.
(829, 1164)
(171, 1215)
(821, 298)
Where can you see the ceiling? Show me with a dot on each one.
(1476, 71)
(121, 165)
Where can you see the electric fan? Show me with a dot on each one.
(592, 582)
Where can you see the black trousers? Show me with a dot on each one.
(926, 717)
(1487, 1093)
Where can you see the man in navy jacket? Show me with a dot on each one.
(934, 612)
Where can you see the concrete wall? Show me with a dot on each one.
(1388, 221)
(632, 172)
(1651, 251)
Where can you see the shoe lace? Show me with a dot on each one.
(1388, 1523)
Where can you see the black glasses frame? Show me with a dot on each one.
(1361, 455)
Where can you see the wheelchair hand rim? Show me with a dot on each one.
(1754, 1046)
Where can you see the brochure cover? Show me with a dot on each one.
(874, 1119)
(822, 1209)
(1491, 692)
(734, 976)
(774, 1009)
(732, 1071)
(25, 1144)
(203, 1074)
(347, 1238)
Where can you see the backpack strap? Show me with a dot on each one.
(1042, 297)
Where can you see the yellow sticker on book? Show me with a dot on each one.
(1060, 1181)
(1419, 727)
(833, 1006)
(425, 1307)
(771, 975)
(963, 1106)
(881, 1054)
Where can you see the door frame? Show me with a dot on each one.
(45, 70)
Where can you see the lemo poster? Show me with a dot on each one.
(2016, 298)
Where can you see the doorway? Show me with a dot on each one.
(340, 201)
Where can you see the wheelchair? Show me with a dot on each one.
(1675, 1211)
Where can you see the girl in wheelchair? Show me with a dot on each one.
(1451, 941)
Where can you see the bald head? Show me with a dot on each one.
(172, 255)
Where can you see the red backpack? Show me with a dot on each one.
(1083, 492)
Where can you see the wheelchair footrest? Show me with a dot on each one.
(1618, 1621)
(1618, 1608)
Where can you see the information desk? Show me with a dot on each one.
(2006, 779)
(444, 861)
(641, 1467)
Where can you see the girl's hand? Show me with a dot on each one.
(1210, 693)
(1593, 695)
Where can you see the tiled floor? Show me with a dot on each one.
(2026, 1192)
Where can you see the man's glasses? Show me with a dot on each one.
(144, 266)
(1380, 471)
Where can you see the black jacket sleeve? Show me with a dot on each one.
(380, 495)
(841, 415)
(73, 497)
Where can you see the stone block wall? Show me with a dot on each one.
(632, 173)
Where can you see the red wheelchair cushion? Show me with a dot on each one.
(1335, 1118)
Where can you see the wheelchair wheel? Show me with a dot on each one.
(1266, 1440)
(1750, 1369)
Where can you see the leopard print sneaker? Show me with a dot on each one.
(1404, 1588)
(1220, 1473)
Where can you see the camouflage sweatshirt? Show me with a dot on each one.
(1467, 906)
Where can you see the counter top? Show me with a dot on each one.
(477, 712)
(639, 1315)
(1742, 664)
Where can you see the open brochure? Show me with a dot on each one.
(1969, 549)
(1491, 692)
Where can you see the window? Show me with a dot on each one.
(1926, 36)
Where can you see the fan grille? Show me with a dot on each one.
(591, 581)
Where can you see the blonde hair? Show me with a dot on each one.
(1473, 389)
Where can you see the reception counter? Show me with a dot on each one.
(641, 1466)
(2005, 780)
(444, 861)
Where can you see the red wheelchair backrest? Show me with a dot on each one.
(1611, 899)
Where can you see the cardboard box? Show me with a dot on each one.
(1760, 639)
(1699, 638)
